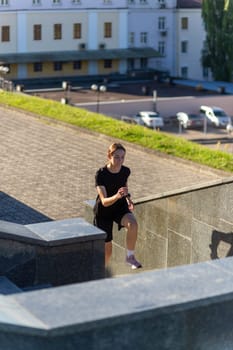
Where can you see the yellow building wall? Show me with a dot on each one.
(102, 70)
(25, 22)
(48, 70)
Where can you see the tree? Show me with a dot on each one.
(218, 49)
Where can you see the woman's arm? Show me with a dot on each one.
(107, 201)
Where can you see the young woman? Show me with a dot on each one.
(113, 203)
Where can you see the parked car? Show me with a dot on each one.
(132, 120)
(190, 121)
(215, 116)
(151, 119)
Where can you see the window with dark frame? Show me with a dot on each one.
(143, 37)
(36, 2)
(161, 48)
(77, 65)
(143, 62)
(38, 67)
(57, 31)
(57, 66)
(162, 23)
(37, 32)
(107, 29)
(131, 63)
(184, 72)
(5, 33)
(184, 23)
(184, 46)
(131, 38)
(77, 31)
(108, 64)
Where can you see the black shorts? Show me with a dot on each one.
(105, 223)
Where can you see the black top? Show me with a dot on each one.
(112, 182)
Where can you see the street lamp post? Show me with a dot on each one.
(3, 70)
(155, 100)
(66, 87)
(98, 89)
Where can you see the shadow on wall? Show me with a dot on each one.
(216, 239)
(17, 212)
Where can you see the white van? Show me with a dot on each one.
(215, 115)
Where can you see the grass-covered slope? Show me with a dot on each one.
(159, 141)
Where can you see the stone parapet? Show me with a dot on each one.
(51, 253)
(185, 226)
(187, 307)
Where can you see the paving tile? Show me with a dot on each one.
(48, 169)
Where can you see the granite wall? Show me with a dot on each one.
(51, 253)
(179, 308)
(187, 226)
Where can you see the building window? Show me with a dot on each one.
(161, 48)
(36, 2)
(144, 62)
(57, 31)
(57, 66)
(131, 2)
(131, 38)
(162, 3)
(107, 2)
(184, 46)
(184, 72)
(37, 32)
(143, 38)
(184, 23)
(107, 63)
(37, 67)
(107, 29)
(162, 23)
(5, 35)
(77, 31)
(143, 2)
(131, 64)
(4, 2)
(56, 2)
(77, 65)
(75, 2)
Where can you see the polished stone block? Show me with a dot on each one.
(177, 308)
(53, 253)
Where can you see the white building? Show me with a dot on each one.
(172, 27)
(55, 38)
(189, 40)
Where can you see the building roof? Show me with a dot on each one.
(82, 55)
(187, 4)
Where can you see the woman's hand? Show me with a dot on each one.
(123, 191)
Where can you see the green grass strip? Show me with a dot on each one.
(159, 141)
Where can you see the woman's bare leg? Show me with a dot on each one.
(130, 223)
(108, 252)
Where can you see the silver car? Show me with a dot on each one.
(151, 119)
(190, 121)
(215, 115)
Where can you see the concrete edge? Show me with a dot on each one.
(79, 307)
(175, 192)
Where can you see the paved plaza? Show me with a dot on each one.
(48, 169)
